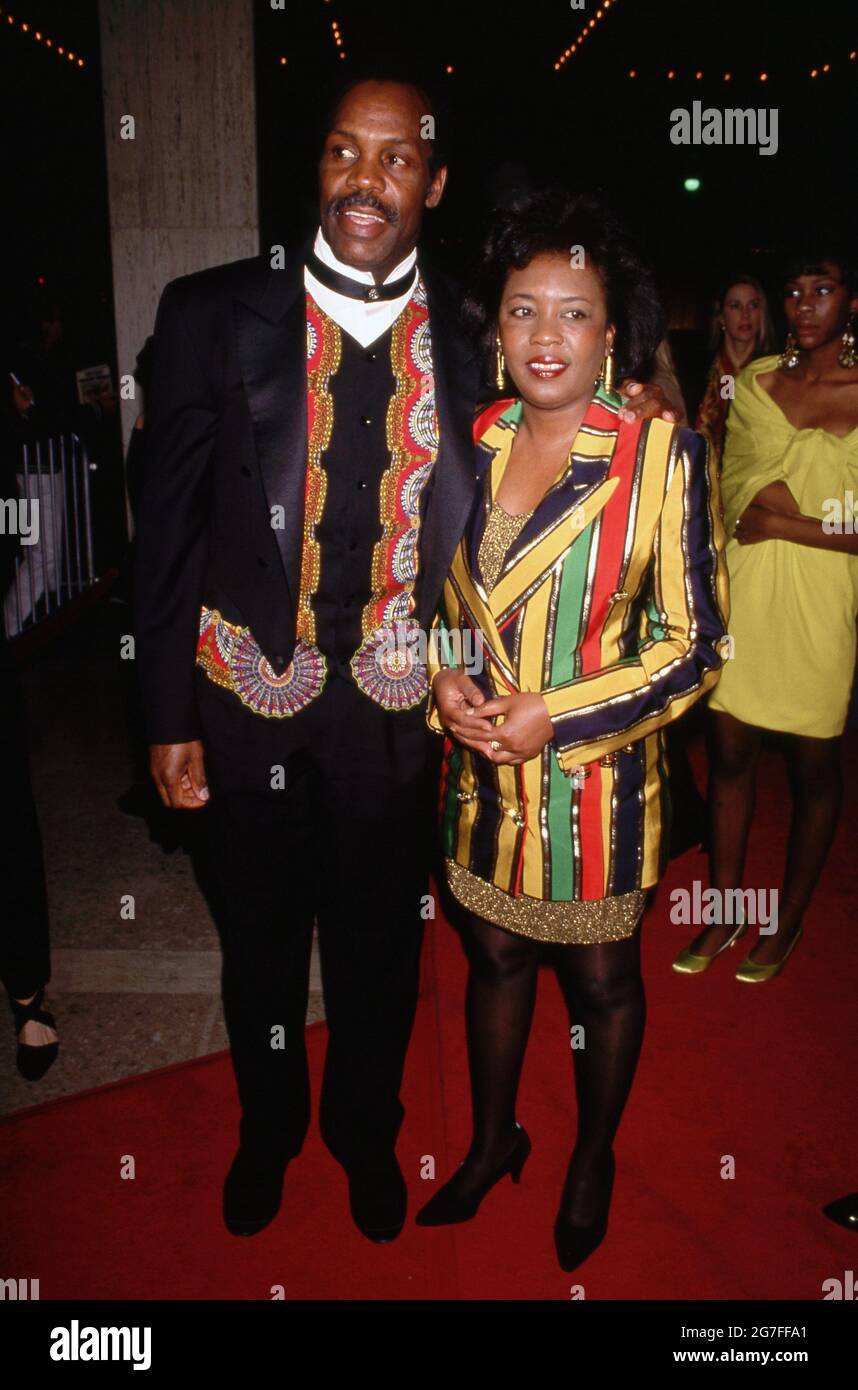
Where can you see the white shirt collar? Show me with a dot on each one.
(364, 277)
(364, 321)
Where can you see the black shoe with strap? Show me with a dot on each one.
(34, 1059)
(449, 1207)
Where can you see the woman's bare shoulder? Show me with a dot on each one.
(767, 379)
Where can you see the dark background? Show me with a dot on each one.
(517, 119)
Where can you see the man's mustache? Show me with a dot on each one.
(363, 200)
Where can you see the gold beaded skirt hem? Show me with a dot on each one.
(580, 923)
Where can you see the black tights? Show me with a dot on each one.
(816, 783)
(604, 994)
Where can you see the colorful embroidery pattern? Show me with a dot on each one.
(386, 666)
(389, 666)
(324, 353)
(231, 658)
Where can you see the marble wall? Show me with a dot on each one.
(182, 191)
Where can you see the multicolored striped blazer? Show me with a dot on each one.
(612, 603)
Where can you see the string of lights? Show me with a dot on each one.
(585, 32)
(673, 74)
(336, 35)
(338, 38)
(22, 26)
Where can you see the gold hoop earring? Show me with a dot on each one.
(607, 376)
(789, 358)
(500, 366)
(848, 357)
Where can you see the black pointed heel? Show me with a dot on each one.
(34, 1059)
(447, 1208)
(574, 1244)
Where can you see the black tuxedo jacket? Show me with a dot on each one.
(226, 426)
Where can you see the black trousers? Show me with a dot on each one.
(325, 816)
(25, 960)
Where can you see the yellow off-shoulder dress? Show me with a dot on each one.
(793, 607)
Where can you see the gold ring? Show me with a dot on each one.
(495, 746)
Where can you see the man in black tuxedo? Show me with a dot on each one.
(308, 475)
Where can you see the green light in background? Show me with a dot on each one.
(691, 185)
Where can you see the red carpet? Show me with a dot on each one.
(763, 1073)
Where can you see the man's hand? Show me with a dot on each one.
(646, 402)
(457, 698)
(179, 773)
(525, 730)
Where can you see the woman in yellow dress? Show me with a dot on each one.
(591, 576)
(790, 475)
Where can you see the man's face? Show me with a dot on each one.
(374, 178)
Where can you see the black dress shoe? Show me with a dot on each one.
(448, 1207)
(252, 1191)
(574, 1244)
(378, 1198)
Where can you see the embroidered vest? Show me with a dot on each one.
(388, 665)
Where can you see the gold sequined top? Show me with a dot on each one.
(502, 528)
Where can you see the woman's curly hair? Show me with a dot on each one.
(554, 221)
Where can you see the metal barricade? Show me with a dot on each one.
(54, 563)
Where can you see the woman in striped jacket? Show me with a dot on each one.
(590, 590)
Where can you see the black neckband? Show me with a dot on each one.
(370, 294)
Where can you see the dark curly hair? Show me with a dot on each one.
(553, 221)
